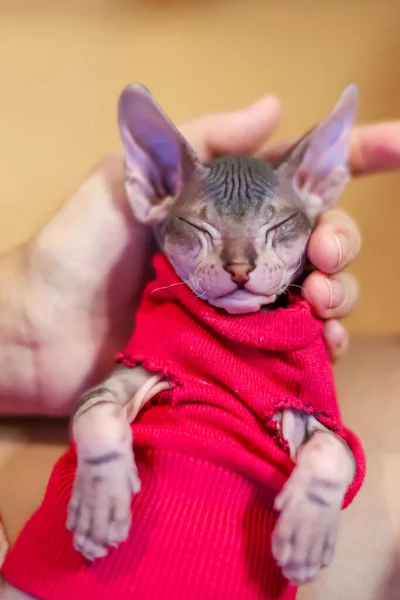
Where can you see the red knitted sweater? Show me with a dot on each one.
(230, 374)
(209, 453)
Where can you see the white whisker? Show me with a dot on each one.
(166, 287)
(282, 290)
(300, 288)
(199, 288)
(194, 280)
(284, 287)
(297, 268)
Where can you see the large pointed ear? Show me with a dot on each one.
(158, 160)
(317, 169)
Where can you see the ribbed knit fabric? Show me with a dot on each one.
(199, 532)
(209, 454)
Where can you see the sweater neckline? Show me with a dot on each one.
(287, 327)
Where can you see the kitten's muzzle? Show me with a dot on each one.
(239, 272)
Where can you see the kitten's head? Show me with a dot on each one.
(235, 229)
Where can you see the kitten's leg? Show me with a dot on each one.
(310, 503)
(293, 427)
(99, 512)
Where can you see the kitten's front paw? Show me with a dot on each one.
(305, 535)
(310, 503)
(99, 512)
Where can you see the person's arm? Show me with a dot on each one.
(67, 297)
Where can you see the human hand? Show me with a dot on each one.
(336, 241)
(84, 271)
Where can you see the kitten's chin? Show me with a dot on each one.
(241, 302)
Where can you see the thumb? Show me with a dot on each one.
(242, 131)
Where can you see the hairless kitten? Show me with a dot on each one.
(235, 230)
(232, 235)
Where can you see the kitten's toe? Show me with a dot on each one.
(83, 520)
(328, 551)
(73, 511)
(286, 530)
(134, 481)
(281, 545)
(120, 523)
(310, 574)
(118, 532)
(299, 573)
(295, 573)
(100, 522)
(315, 553)
(284, 497)
(89, 548)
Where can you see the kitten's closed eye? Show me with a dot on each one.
(285, 223)
(203, 227)
(289, 228)
(191, 224)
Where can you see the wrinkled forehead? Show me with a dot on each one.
(240, 186)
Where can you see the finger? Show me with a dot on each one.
(332, 297)
(237, 131)
(336, 339)
(335, 242)
(277, 151)
(374, 148)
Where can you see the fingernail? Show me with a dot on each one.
(337, 334)
(336, 292)
(343, 247)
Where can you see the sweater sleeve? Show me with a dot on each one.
(317, 395)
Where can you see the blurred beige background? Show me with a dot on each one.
(63, 65)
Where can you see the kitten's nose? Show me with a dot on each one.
(239, 272)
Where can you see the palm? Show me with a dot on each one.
(83, 275)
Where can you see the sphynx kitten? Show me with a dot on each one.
(235, 230)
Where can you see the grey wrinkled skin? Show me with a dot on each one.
(235, 230)
(235, 214)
